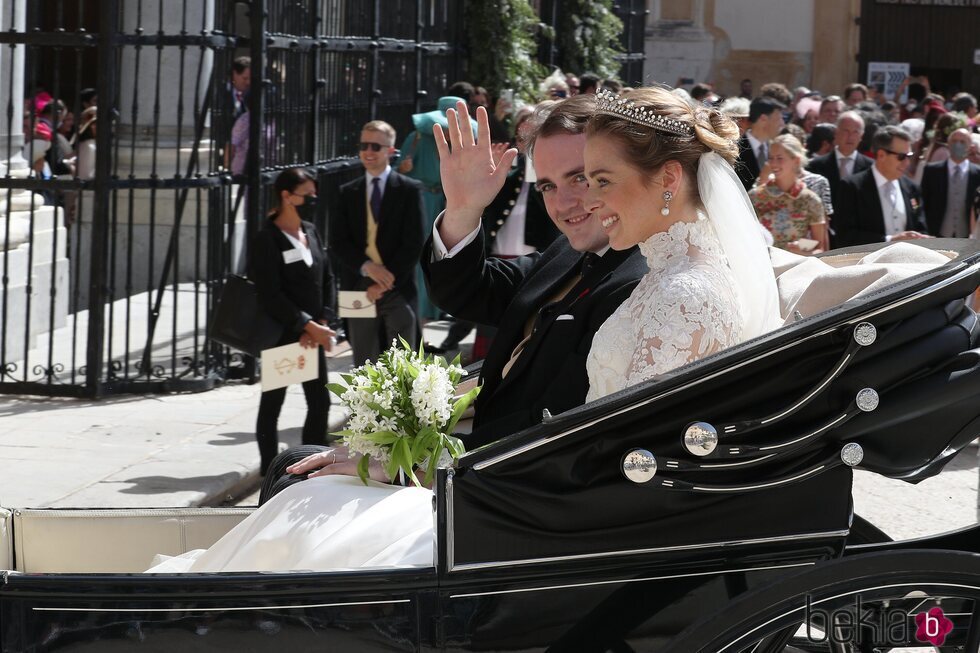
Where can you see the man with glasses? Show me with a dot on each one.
(880, 204)
(375, 240)
(948, 189)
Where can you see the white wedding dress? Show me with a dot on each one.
(685, 308)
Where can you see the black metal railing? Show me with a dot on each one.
(107, 288)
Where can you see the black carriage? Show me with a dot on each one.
(709, 510)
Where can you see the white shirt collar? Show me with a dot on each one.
(880, 178)
(753, 141)
(837, 153)
(383, 177)
(963, 165)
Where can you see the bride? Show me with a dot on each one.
(660, 176)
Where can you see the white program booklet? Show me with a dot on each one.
(286, 365)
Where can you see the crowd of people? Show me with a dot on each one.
(865, 168)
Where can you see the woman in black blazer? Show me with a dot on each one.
(289, 268)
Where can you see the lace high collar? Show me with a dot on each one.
(665, 248)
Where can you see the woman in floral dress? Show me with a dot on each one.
(785, 206)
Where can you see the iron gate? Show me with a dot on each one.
(110, 292)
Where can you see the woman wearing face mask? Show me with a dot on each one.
(289, 268)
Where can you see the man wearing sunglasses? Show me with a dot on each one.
(881, 204)
(375, 239)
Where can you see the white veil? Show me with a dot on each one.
(733, 218)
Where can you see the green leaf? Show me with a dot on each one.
(362, 468)
(404, 456)
(348, 378)
(337, 389)
(460, 406)
(382, 437)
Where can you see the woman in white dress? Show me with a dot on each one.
(660, 176)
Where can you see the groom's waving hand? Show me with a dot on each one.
(546, 306)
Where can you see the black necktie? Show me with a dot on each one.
(589, 259)
(376, 199)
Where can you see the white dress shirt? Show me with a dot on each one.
(892, 203)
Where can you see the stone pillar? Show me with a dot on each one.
(12, 62)
(174, 142)
(835, 65)
(677, 43)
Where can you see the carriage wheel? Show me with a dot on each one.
(856, 604)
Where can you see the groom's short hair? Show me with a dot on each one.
(568, 116)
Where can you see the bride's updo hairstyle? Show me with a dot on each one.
(655, 126)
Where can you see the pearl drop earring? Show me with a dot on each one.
(667, 197)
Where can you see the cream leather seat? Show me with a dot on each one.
(106, 540)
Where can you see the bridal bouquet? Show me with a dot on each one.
(403, 410)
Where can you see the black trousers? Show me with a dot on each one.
(317, 407)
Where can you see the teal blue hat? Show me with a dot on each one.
(424, 122)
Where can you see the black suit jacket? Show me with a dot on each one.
(292, 293)
(859, 218)
(747, 165)
(826, 165)
(550, 373)
(399, 238)
(539, 230)
(935, 188)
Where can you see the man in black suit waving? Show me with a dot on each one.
(375, 239)
(547, 306)
(765, 123)
(881, 204)
(949, 187)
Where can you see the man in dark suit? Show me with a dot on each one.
(948, 189)
(765, 123)
(844, 160)
(375, 239)
(880, 204)
(547, 306)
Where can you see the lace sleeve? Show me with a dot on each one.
(694, 315)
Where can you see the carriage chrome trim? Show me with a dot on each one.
(867, 399)
(223, 608)
(661, 549)
(450, 522)
(759, 486)
(700, 438)
(865, 334)
(834, 422)
(851, 454)
(544, 588)
(639, 465)
(956, 277)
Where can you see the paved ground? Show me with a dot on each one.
(199, 449)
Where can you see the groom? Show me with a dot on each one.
(547, 306)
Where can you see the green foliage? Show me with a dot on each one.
(501, 45)
(588, 37)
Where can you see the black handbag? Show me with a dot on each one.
(240, 322)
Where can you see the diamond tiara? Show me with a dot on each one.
(611, 104)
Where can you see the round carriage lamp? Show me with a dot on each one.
(639, 465)
(852, 454)
(700, 438)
